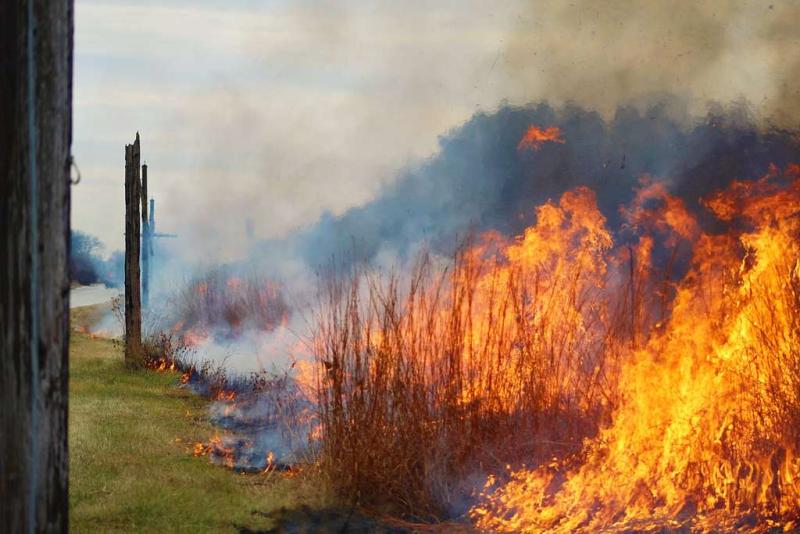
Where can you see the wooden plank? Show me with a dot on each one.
(35, 146)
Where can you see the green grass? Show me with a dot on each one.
(131, 435)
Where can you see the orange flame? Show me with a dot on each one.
(650, 385)
(705, 429)
(270, 462)
(535, 137)
(215, 448)
(224, 395)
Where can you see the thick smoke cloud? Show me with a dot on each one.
(632, 84)
(479, 180)
(603, 54)
(281, 111)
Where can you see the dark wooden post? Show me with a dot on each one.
(133, 296)
(35, 140)
(145, 241)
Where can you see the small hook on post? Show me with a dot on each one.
(74, 165)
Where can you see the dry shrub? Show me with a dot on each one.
(219, 304)
(776, 320)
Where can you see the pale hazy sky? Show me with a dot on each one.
(280, 110)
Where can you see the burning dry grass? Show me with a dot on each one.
(500, 355)
(214, 304)
(264, 415)
(655, 383)
(640, 381)
(225, 304)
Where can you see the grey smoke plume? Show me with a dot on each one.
(305, 108)
(480, 180)
(603, 54)
(326, 134)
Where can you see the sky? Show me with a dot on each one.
(278, 111)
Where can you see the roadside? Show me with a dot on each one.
(84, 296)
(131, 437)
(132, 468)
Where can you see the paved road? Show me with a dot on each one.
(89, 295)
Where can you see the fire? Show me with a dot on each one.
(270, 462)
(186, 376)
(535, 137)
(224, 395)
(305, 376)
(162, 364)
(216, 450)
(643, 380)
(705, 428)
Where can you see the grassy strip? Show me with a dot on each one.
(131, 467)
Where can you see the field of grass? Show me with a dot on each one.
(131, 435)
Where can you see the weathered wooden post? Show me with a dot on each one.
(145, 241)
(35, 144)
(133, 297)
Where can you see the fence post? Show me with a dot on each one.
(133, 299)
(35, 147)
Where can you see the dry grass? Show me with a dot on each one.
(774, 354)
(131, 435)
(496, 358)
(225, 303)
(455, 371)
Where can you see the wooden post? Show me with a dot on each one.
(35, 146)
(145, 241)
(133, 297)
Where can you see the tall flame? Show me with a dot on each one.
(649, 383)
(705, 432)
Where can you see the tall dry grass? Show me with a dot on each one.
(513, 352)
(459, 369)
(227, 303)
(772, 352)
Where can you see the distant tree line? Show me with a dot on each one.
(87, 264)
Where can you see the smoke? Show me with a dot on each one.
(376, 86)
(367, 131)
(283, 111)
(601, 55)
(480, 180)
